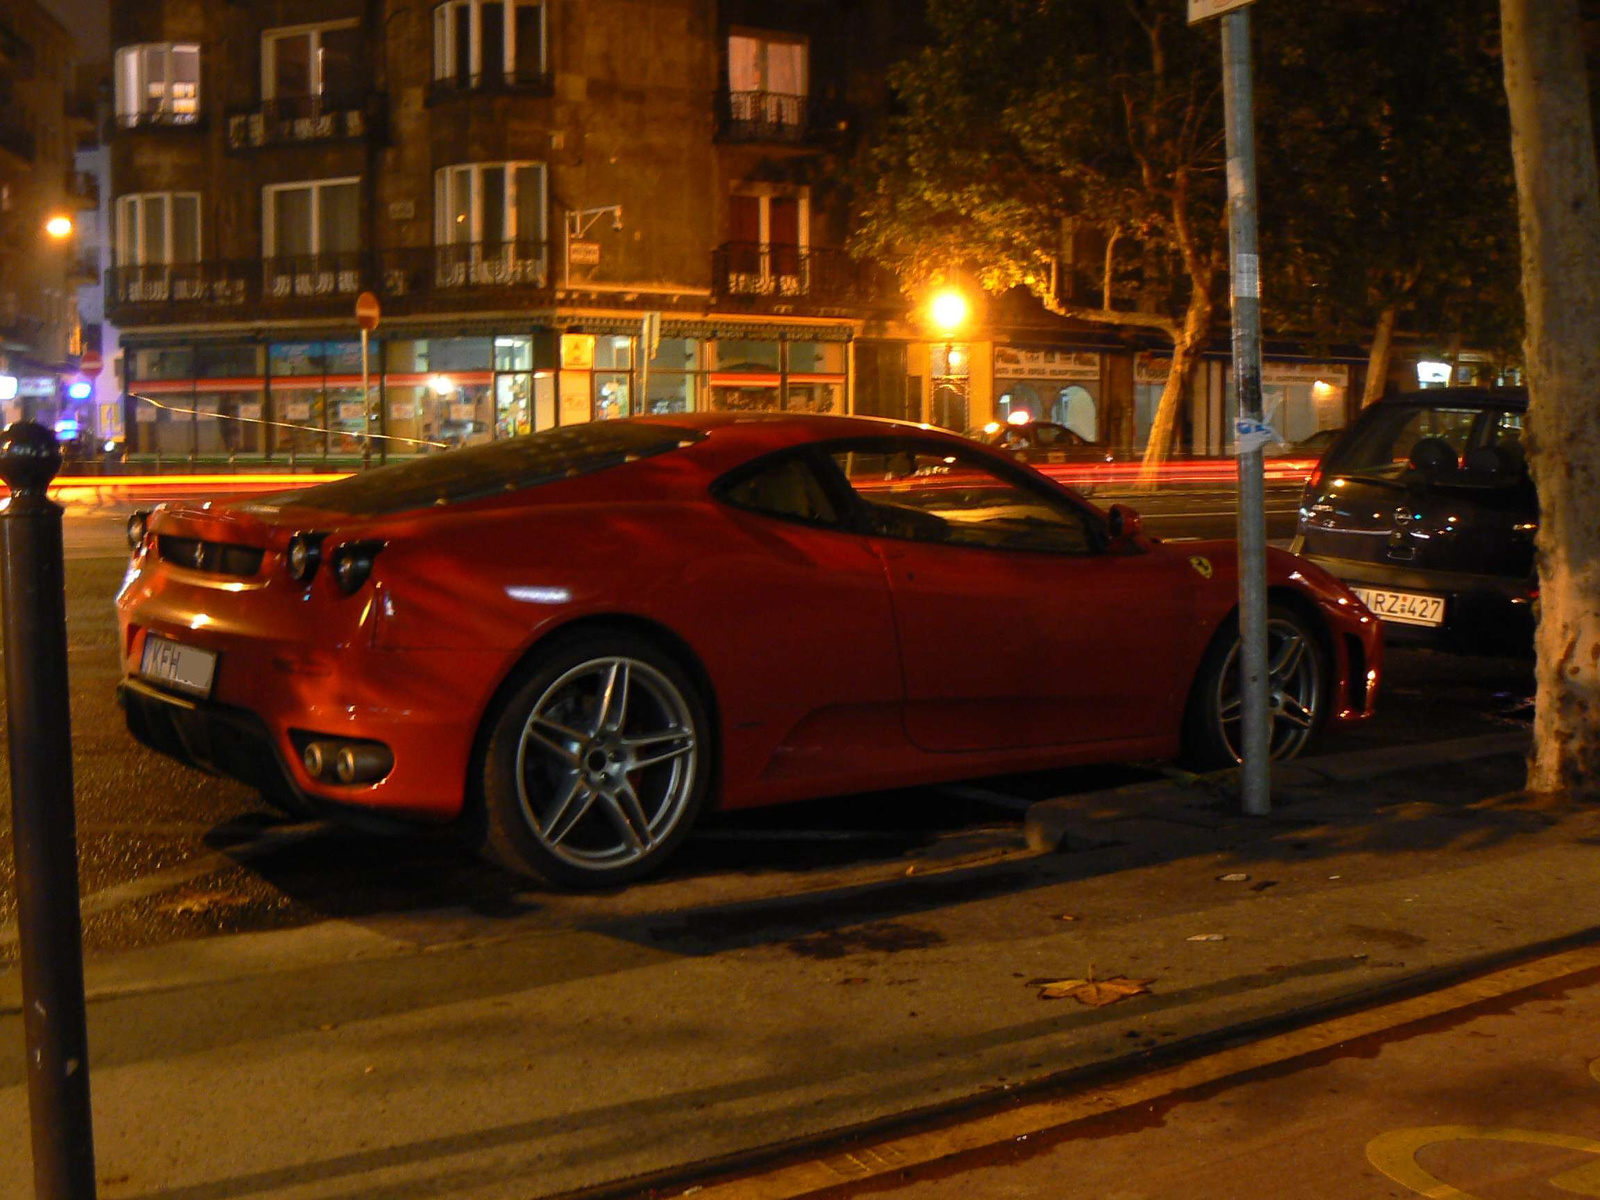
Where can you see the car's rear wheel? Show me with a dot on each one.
(1296, 668)
(597, 765)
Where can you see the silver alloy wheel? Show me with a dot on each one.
(606, 762)
(1294, 691)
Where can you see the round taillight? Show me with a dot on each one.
(305, 552)
(138, 524)
(352, 564)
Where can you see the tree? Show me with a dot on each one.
(1558, 193)
(1386, 185)
(1026, 119)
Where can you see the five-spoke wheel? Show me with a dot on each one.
(597, 765)
(1214, 733)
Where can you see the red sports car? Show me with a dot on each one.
(574, 642)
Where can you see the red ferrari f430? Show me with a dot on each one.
(574, 643)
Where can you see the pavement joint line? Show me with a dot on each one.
(146, 886)
(864, 1162)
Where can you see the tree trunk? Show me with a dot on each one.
(1186, 347)
(1378, 359)
(1552, 143)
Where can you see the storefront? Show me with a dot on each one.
(299, 399)
(1063, 386)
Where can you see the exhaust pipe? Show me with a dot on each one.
(347, 762)
(363, 763)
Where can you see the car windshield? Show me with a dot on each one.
(497, 467)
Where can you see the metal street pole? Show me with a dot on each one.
(366, 406)
(1245, 273)
(39, 737)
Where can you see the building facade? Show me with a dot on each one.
(569, 210)
(39, 274)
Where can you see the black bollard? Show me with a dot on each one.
(39, 737)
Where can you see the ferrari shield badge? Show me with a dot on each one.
(1201, 565)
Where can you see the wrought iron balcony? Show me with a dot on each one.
(788, 274)
(155, 118)
(289, 120)
(772, 118)
(323, 284)
(436, 270)
(491, 83)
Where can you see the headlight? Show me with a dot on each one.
(305, 552)
(137, 525)
(352, 564)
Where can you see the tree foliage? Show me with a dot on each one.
(1385, 170)
(1026, 119)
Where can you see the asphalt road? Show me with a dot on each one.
(168, 853)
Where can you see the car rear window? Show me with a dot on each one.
(454, 476)
(1387, 438)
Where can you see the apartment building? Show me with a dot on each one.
(569, 210)
(39, 274)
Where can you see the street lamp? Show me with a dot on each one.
(59, 227)
(948, 311)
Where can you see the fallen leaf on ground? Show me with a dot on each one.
(1233, 877)
(1096, 993)
(205, 902)
(1068, 917)
(1205, 937)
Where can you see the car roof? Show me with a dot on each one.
(1463, 397)
(755, 433)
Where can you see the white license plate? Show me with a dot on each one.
(1403, 608)
(187, 668)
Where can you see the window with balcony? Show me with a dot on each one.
(766, 85)
(157, 245)
(489, 224)
(313, 87)
(767, 237)
(488, 44)
(158, 84)
(311, 238)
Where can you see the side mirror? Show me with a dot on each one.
(1122, 523)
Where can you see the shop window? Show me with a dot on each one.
(158, 84)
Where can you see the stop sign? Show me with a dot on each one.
(367, 311)
(90, 363)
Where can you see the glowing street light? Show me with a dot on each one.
(949, 310)
(59, 227)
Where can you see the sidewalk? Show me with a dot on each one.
(374, 1059)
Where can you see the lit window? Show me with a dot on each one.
(158, 84)
(767, 78)
(489, 221)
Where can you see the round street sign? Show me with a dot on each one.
(367, 311)
(90, 363)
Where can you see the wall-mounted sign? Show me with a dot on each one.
(583, 254)
(1012, 363)
(1336, 374)
(577, 352)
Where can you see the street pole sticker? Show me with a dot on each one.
(1250, 434)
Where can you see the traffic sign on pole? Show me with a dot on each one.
(367, 311)
(1204, 10)
(90, 363)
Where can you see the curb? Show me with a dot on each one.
(1055, 825)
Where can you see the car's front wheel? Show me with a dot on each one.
(1296, 669)
(597, 765)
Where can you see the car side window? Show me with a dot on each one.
(784, 487)
(937, 495)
